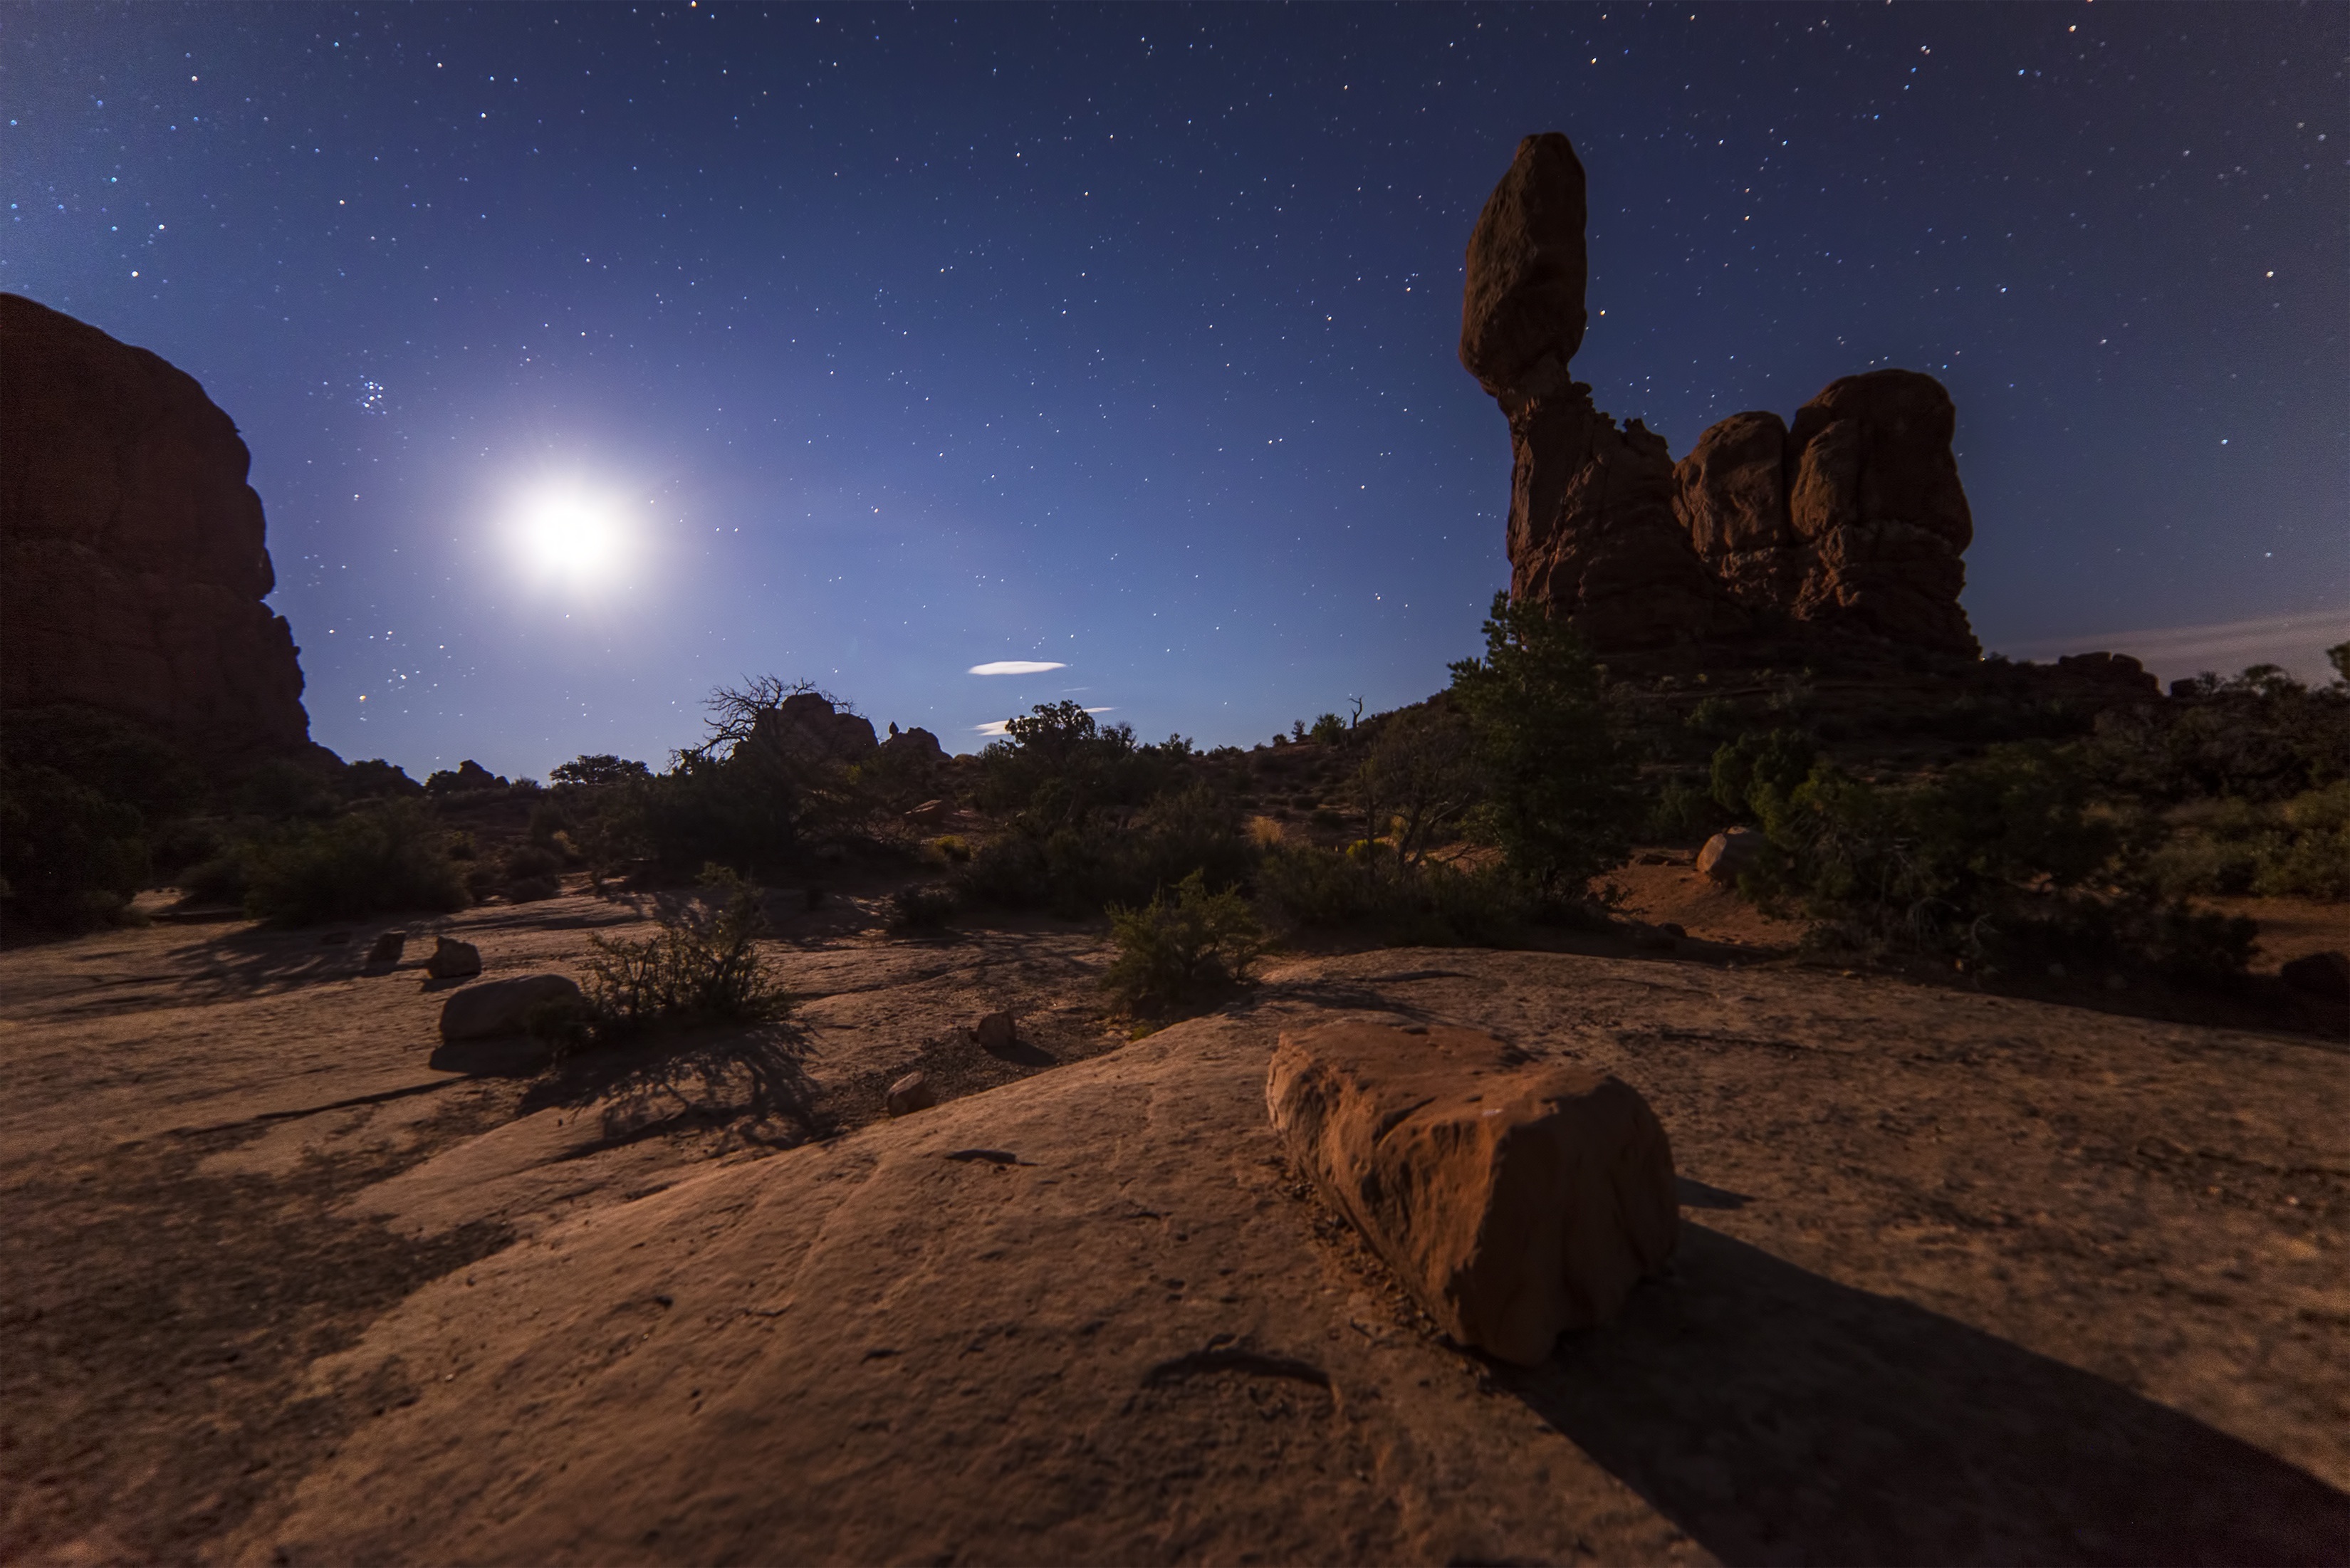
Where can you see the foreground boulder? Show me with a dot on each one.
(1514, 1197)
(452, 960)
(1730, 854)
(133, 566)
(502, 1006)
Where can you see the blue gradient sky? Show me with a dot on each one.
(913, 338)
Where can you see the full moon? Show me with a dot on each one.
(571, 533)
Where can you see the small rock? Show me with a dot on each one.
(999, 1031)
(911, 1094)
(930, 811)
(1729, 853)
(387, 949)
(2325, 974)
(502, 1006)
(452, 960)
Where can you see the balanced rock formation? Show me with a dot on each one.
(132, 565)
(1854, 517)
(1592, 531)
(1513, 1198)
(806, 727)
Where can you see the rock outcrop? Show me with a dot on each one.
(806, 727)
(1592, 533)
(132, 565)
(1515, 1199)
(1854, 517)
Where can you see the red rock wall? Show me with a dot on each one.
(132, 565)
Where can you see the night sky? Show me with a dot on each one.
(592, 357)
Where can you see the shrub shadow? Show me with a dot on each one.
(1778, 1416)
(663, 1081)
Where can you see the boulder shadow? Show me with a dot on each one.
(1778, 1416)
(505, 1056)
(1022, 1053)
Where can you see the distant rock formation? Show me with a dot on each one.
(806, 727)
(1592, 532)
(132, 565)
(1855, 518)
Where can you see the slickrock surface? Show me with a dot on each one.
(131, 561)
(1960, 1277)
(1513, 1199)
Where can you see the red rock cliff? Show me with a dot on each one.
(131, 560)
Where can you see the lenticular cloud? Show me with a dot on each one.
(1017, 667)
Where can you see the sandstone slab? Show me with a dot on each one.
(1514, 1197)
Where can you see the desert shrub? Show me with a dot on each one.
(1684, 813)
(85, 798)
(953, 848)
(71, 857)
(921, 911)
(1559, 801)
(601, 768)
(1330, 730)
(1371, 889)
(1110, 855)
(533, 872)
(1188, 945)
(1760, 767)
(1420, 781)
(2260, 735)
(701, 965)
(2010, 858)
(381, 857)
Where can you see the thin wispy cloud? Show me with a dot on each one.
(1017, 667)
(2297, 643)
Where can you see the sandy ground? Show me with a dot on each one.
(1962, 1278)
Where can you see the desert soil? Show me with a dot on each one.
(1962, 1277)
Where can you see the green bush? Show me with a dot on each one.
(701, 965)
(85, 798)
(1758, 768)
(2008, 858)
(1372, 890)
(1559, 799)
(1329, 729)
(1178, 951)
(71, 857)
(1110, 855)
(373, 859)
(921, 911)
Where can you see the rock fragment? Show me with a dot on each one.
(1729, 853)
(2325, 974)
(911, 1094)
(452, 960)
(998, 1031)
(1514, 1197)
(387, 950)
(502, 1006)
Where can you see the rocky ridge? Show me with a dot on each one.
(132, 562)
